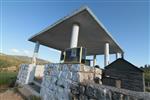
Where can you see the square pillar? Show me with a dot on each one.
(35, 53)
(94, 60)
(74, 36)
(122, 55)
(118, 55)
(106, 54)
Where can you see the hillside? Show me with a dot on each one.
(14, 60)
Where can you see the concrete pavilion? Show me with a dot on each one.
(80, 28)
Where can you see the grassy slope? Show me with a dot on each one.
(9, 60)
(147, 74)
(7, 78)
(147, 77)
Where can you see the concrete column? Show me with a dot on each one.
(122, 55)
(74, 36)
(117, 55)
(106, 54)
(35, 53)
(94, 60)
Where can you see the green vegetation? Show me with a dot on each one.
(147, 75)
(9, 66)
(146, 70)
(7, 78)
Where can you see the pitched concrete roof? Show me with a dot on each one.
(92, 34)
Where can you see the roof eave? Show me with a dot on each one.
(72, 14)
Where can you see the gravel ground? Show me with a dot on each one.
(10, 95)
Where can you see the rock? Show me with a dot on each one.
(91, 92)
(75, 76)
(98, 71)
(81, 89)
(87, 68)
(75, 89)
(98, 76)
(63, 74)
(75, 68)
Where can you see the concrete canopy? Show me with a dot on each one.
(92, 34)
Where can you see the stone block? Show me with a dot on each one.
(54, 79)
(75, 76)
(69, 76)
(87, 68)
(64, 67)
(63, 74)
(98, 75)
(54, 73)
(98, 71)
(81, 89)
(82, 76)
(91, 92)
(52, 67)
(75, 90)
(62, 94)
(53, 87)
(83, 97)
(75, 67)
(115, 96)
(90, 76)
(63, 83)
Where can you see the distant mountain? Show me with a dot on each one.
(15, 60)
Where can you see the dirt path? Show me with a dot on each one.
(10, 95)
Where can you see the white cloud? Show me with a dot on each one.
(27, 52)
(15, 50)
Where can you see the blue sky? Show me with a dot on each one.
(127, 21)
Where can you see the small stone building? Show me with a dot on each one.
(123, 74)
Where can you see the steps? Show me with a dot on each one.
(35, 86)
(30, 89)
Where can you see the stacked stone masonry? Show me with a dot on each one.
(26, 74)
(91, 91)
(75, 82)
(58, 79)
(22, 75)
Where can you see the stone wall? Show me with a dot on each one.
(58, 78)
(91, 91)
(75, 82)
(26, 73)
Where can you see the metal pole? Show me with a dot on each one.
(106, 55)
(74, 36)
